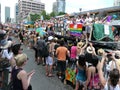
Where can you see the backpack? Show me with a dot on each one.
(45, 51)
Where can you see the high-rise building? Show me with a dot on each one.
(116, 2)
(7, 14)
(59, 6)
(29, 6)
(55, 7)
(0, 12)
(16, 12)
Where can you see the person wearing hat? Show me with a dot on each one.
(6, 60)
(81, 47)
(21, 79)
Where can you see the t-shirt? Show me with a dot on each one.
(61, 53)
(73, 52)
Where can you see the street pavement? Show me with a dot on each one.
(39, 80)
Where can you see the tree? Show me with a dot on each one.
(61, 13)
(48, 16)
(34, 17)
(43, 13)
(52, 14)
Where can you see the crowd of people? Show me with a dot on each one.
(94, 68)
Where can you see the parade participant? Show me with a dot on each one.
(88, 22)
(113, 82)
(21, 79)
(61, 53)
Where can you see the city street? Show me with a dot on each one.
(39, 81)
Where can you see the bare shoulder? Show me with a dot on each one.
(21, 74)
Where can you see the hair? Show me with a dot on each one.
(61, 43)
(81, 60)
(75, 43)
(16, 48)
(20, 59)
(114, 77)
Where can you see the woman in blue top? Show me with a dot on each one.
(81, 75)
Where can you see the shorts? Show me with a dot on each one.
(81, 82)
(87, 29)
(61, 65)
(49, 60)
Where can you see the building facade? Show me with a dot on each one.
(0, 12)
(29, 6)
(55, 7)
(16, 12)
(116, 2)
(7, 14)
(59, 6)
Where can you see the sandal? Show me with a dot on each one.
(50, 75)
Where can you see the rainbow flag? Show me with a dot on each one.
(75, 29)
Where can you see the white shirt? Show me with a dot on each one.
(7, 55)
(109, 87)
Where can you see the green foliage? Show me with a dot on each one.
(52, 14)
(61, 13)
(34, 17)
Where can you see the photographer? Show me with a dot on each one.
(112, 83)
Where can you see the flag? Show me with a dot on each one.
(75, 29)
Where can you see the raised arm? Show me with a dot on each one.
(100, 72)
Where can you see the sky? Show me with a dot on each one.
(71, 5)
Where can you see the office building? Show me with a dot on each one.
(116, 2)
(29, 6)
(59, 6)
(16, 12)
(55, 7)
(7, 14)
(0, 12)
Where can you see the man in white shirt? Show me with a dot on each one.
(88, 22)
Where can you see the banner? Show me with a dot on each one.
(75, 29)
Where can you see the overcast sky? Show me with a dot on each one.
(71, 5)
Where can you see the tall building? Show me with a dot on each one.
(0, 12)
(55, 7)
(59, 6)
(16, 12)
(116, 2)
(7, 14)
(29, 6)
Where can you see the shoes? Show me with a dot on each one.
(50, 75)
(43, 64)
(38, 63)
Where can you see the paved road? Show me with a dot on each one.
(39, 81)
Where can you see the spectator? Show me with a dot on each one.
(61, 53)
(21, 79)
(114, 75)
(81, 74)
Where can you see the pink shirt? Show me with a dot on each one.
(73, 52)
